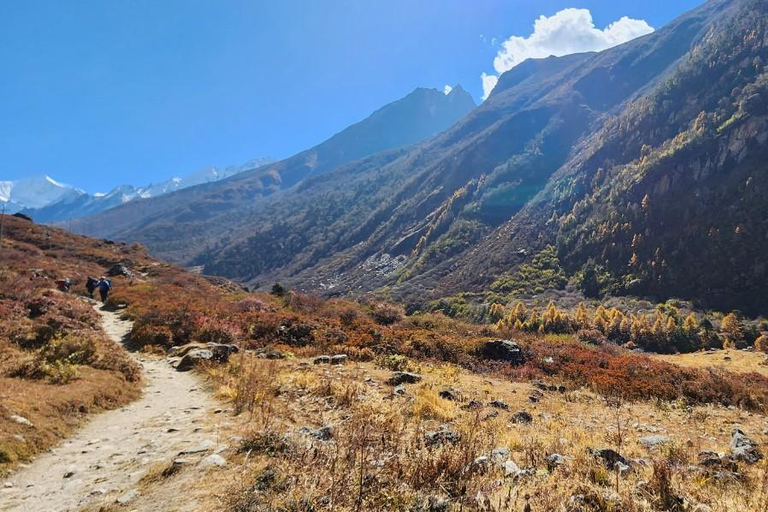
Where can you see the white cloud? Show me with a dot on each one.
(447, 89)
(566, 32)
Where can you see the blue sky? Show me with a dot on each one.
(100, 93)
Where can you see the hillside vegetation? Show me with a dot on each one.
(642, 163)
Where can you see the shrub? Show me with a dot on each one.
(761, 343)
(386, 314)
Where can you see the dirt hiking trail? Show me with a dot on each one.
(104, 461)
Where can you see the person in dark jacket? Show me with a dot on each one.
(104, 287)
(90, 285)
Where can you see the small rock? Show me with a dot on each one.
(213, 460)
(322, 360)
(450, 394)
(498, 404)
(473, 405)
(499, 455)
(442, 436)
(654, 441)
(339, 359)
(321, 434)
(480, 464)
(399, 390)
(554, 461)
(8, 485)
(533, 399)
(21, 420)
(522, 417)
(127, 497)
(69, 474)
(404, 378)
(19, 438)
(511, 469)
(743, 448)
(610, 458)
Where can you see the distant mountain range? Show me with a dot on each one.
(389, 131)
(47, 200)
(636, 170)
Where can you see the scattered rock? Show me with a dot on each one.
(270, 353)
(503, 350)
(202, 447)
(522, 417)
(479, 465)
(118, 269)
(321, 434)
(404, 378)
(20, 438)
(499, 455)
(399, 390)
(8, 485)
(322, 360)
(193, 358)
(743, 448)
(554, 461)
(473, 405)
(450, 394)
(442, 436)
(21, 420)
(512, 470)
(339, 359)
(127, 497)
(533, 399)
(498, 404)
(222, 351)
(654, 441)
(611, 458)
(213, 460)
(435, 504)
(69, 474)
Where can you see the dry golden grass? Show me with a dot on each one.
(378, 459)
(738, 361)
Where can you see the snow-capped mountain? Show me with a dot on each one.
(46, 200)
(35, 192)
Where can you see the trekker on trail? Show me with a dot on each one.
(104, 286)
(90, 285)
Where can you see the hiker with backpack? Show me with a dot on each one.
(104, 285)
(90, 285)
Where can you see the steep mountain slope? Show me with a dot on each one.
(166, 224)
(407, 222)
(642, 162)
(80, 204)
(667, 198)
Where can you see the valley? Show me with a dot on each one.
(554, 299)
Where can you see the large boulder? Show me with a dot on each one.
(744, 449)
(220, 352)
(193, 358)
(118, 269)
(503, 350)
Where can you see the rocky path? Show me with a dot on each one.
(175, 420)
